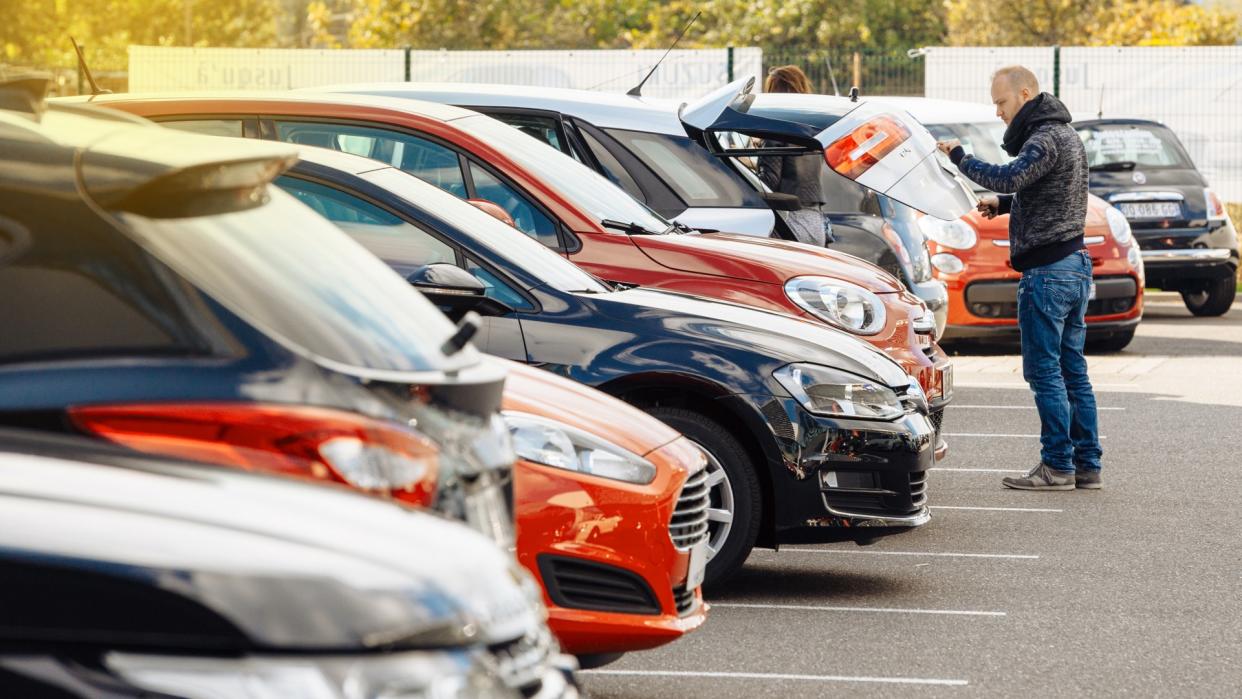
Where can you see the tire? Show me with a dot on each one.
(1214, 299)
(1114, 343)
(725, 452)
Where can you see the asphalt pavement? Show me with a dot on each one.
(1132, 590)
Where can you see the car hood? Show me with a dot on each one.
(764, 260)
(137, 551)
(784, 338)
(998, 228)
(542, 393)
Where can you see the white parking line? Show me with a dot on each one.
(957, 382)
(1012, 407)
(978, 470)
(775, 676)
(864, 552)
(995, 509)
(816, 608)
(1003, 436)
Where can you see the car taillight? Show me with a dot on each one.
(305, 441)
(855, 153)
(1215, 209)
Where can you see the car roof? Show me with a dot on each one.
(603, 109)
(937, 111)
(1122, 122)
(421, 108)
(339, 160)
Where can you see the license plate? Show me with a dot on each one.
(1163, 209)
(698, 565)
(1092, 296)
(946, 382)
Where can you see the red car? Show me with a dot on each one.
(570, 208)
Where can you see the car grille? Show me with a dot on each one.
(688, 525)
(894, 494)
(521, 664)
(1000, 299)
(918, 488)
(684, 600)
(579, 584)
(937, 422)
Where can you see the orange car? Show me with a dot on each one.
(620, 557)
(971, 256)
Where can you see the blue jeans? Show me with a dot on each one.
(1052, 305)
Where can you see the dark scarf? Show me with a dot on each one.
(1043, 108)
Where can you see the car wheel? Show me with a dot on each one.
(1214, 299)
(1113, 343)
(736, 499)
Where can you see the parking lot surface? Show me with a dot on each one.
(1132, 590)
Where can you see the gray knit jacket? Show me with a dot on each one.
(1047, 180)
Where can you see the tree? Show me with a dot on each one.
(1088, 23)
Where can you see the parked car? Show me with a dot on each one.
(130, 575)
(1189, 243)
(810, 434)
(574, 211)
(642, 146)
(971, 254)
(173, 302)
(612, 511)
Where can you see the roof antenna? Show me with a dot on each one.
(854, 94)
(637, 90)
(86, 70)
(832, 76)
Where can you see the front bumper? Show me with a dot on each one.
(935, 294)
(992, 306)
(844, 479)
(586, 538)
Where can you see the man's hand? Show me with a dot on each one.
(989, 205)
(947, 147)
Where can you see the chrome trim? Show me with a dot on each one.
(1145, 196)
(918, 519)
(1186, 254)
(925, 324)
(1001, 242)
(1094, 240)
(688, 525)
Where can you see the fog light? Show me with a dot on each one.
(852, 480)
(947, 263)
(984, 310)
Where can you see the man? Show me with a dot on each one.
(1044, 191)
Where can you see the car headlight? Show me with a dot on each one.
(558, 445)
(408, 675)
(847, 306)
(955, 234)
(947, 263)
(1119, 225)
(827, 391)
(1135, 257)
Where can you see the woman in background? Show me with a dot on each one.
(796, 174)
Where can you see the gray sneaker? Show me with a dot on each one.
(1088, 480)
(1042, 477)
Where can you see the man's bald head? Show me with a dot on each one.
(1013, 87)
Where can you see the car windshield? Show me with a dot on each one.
(589, 190)
(1126, 146)
(698, 178)
(503, 240)
(298, 278)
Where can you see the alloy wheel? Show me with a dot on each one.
(720, 509)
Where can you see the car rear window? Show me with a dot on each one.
(297, 277)
(1148, 146)
(698, 178)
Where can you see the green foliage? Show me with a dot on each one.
(1089, 23)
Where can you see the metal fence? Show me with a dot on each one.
(835, 71)
(1195, 91)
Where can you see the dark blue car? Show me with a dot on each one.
(812, 434)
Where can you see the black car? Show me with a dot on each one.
(127, 575)
(1188, 243)
(812, 434)
(157, 292)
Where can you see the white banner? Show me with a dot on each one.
(164, 68)
(684, 75)
(1196, 91)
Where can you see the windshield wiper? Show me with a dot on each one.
(630, 227)
(1119, 165)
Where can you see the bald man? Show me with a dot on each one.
(1044, 191)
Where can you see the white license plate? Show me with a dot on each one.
(1092, 296)
(1163, 209)
(698, 565)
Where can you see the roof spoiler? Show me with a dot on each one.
(25, 93)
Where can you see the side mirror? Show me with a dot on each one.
(494, 210)
(781, 202)
(455, 291)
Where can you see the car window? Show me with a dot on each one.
(526, 217)
(698, 178)
(1149, 147)
(541, 127)
(613, 169)
(423, 158)
(208, 127)
(497, 288)
(395, 241)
